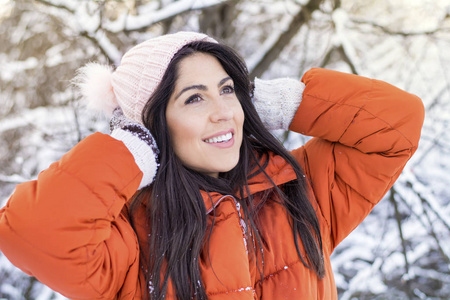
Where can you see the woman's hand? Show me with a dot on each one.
(139, 141)
(277, 101)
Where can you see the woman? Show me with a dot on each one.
(191, 197)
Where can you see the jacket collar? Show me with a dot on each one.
(278, 169)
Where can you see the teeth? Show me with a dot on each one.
(220, 138)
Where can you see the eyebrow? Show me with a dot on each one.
(200, 87)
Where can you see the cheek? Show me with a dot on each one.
(177, 132)
(183, 134)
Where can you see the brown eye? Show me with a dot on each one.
(227, 90)
(193, 99)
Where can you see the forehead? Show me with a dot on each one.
(199, 66)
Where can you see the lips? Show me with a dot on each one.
(221, 137)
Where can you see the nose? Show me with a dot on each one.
(221, 110)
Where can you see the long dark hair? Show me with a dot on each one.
(175, 209)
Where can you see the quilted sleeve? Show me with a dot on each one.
(66, 228)
(364, 132)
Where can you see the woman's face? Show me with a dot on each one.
(204, 116)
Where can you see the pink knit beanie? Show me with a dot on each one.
(134, 81)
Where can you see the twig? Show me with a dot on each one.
(430, 227)
(435, 141)
(433, 234)
(97, 44)
(344, 56)
(60, 6)
(423, 199)
(402, 33)
(392, 194)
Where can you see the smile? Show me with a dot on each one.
(220, 139)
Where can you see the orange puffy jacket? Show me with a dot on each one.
(70, 227)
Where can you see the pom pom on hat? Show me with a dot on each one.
(94, 82)
(134, 81)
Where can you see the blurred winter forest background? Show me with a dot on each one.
(401, 251)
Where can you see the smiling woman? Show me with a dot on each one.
(203, 97)
(205, 118)
(191, 197)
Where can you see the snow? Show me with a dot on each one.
(368, 280)
(113, 53)
(5, 8)
(11, 69)
(340, 18)
(148, 16)
(269, 42)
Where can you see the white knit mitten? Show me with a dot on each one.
(139, 142)
(277, 101)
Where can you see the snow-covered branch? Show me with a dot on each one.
(13, 179)
(69, 6)
(341, 42)
(126, 22)
(390, 31)
(277, 43)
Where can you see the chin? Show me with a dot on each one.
(209, 169)
(229, 167)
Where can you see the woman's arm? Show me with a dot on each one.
(364, 132)
(66, 228)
